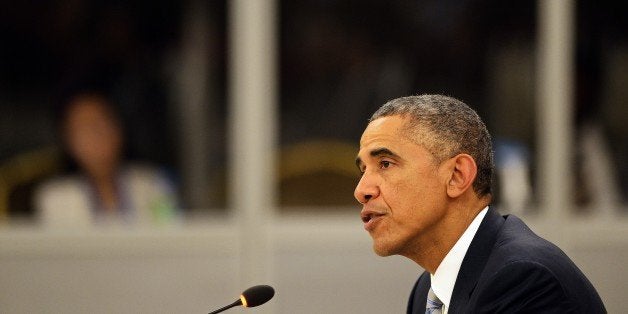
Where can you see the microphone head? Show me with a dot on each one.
(257, 295)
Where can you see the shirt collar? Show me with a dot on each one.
(444, 279)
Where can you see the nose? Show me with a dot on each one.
(366, 189)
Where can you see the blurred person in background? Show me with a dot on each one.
(103, 189)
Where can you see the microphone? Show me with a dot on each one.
(251, 297)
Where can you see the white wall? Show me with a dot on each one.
(317, 264)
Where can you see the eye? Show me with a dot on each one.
(384, 164)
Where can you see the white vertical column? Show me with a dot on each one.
(192, 105)
(555, 103)
(252, 124)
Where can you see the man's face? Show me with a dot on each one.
(402, 189)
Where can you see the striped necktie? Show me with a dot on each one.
(433, 305)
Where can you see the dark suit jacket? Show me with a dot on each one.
(509, 269)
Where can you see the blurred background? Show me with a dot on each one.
(233, 128)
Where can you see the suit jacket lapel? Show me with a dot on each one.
(475, 260)
(418, 297)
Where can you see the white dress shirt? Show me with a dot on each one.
(444, 279)
(68, 201)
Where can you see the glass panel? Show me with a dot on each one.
(341, 60)
(129, 53)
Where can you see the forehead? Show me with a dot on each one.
(391, 128)
(385, 136)
(85, 107)
(389, 136)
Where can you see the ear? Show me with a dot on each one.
(463, 172)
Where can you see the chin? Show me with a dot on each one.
(383, 250)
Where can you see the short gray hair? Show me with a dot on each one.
(453, 128)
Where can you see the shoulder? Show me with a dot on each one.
(142, 171)
(151, 191)
(527, 270)
(521, 286)
(58, 187)
(517, 244)
(62, 202)
(144, 176)
(516, 241)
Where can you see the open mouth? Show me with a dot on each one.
(366, 218)
(369, 219)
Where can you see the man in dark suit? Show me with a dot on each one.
(427, 165)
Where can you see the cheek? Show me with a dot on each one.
(403, 199)
(413, 197)
(78, 143)
(407, 189)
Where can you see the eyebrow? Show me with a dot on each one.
(383, 151)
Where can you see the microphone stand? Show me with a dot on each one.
(236, 303)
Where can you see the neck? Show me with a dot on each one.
(431, 249)
(105, 186)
